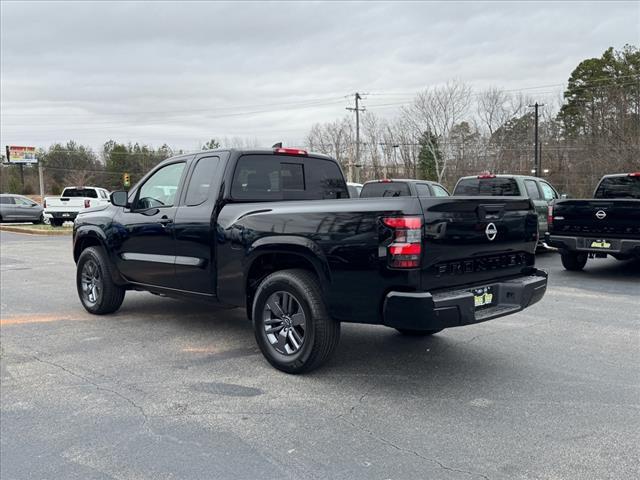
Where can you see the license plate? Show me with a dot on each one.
(605, 245)
(482, 297)
(66, 214)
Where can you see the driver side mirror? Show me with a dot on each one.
(119, 198)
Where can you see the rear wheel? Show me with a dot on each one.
(292, 326)
(96, 289)
(56, 222)
(417, 333)
(573, 260)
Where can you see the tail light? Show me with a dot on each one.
(634, 174)
(44, 203)
(405, 250)
(486, 175)
(87, 203)
(549, 216)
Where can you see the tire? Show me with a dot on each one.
(106, 297)
(573, 261)
(56, 222)
(318, 332)
(40, 220)
(417, 333)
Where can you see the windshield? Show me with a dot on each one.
(493, 187)
(80, 192)
(385, 189)
(619, 187)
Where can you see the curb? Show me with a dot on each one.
(36, 231)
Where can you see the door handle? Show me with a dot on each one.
(164, 221)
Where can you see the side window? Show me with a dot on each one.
(423, 190)
(532, 189)
(6, 200)
(103, 193)
(160, 189)
(548, 192)
(23, 201)
(278, 177)
(439, 191)
(326, 180)
(201, 180)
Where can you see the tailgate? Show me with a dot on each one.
(470, 240)
(613, 218)
(66, 203)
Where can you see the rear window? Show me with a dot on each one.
(281, 177)
(385, 189)
(80, 192)
(619, 187)
(497, 187)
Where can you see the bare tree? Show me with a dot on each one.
(437, 110)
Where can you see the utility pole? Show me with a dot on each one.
(41, 180)
(357, 109)
(537, 160)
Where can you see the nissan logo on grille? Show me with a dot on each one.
(491, 231)
(600, 214)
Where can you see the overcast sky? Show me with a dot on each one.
(184, 72)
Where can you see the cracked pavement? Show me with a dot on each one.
(166, 389)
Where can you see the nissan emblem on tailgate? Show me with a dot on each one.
(491, 231)
(600, 214)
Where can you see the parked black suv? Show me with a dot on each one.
(275, 232)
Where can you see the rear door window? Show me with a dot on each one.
(619, 187)
(201, 180)
(385, 189)
(79, 192)
(6, 201)
(280, 177)
(423, 190)
(497, 186)
(532, 189)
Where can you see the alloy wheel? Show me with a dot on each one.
(284, 322)
(91, 282)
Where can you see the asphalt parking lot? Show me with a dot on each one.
(165, 389)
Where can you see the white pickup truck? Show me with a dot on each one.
(66, 207)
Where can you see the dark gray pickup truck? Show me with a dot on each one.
(275, 232)
(608, 224)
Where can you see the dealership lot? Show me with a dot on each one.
(165, 389)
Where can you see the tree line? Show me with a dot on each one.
(443, 133)
(450, 130)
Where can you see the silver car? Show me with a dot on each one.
(16, 208)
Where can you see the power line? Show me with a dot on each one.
(307, 102)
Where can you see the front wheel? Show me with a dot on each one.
(292, 326)
(97, 291)
(573, 261)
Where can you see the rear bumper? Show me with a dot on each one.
(454, 308)
(623, 246)
(62, 215)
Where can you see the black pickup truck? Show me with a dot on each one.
(608, 224)
(275, 232)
